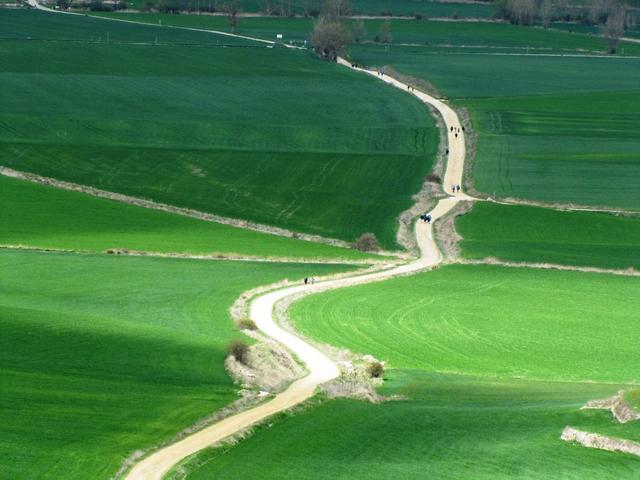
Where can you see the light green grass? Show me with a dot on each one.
(554, 129)
(488, 320)
(532, 234)
(101, 356)
(270, 135)
(46, 217)
(445, 427)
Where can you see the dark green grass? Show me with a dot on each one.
(532, 234)
(488, 320)
(46, 217)
(555, 129)
(446, 427)
(44, 27)
(269, 135)
(101, 356)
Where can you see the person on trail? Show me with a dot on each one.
(458, 188)
(427, 218)
(456, 135)
(313, 280)
(306, 280)
(452, 128)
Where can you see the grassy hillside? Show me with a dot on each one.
(46, 217)
(269, 135)
(484, 320)
(445, 427)
(531, 234)
(556, 129)
(102, 356)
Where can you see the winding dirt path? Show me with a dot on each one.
(321, 368)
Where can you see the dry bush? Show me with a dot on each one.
(247, 324)
(367, 242)
(375, 369)
(239, 350)
(434, 178)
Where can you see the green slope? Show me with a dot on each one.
(550, 128)
(46, 217)
(532, 234)
(488, 320)
(269, 135)
(445, 427)
(102, 356)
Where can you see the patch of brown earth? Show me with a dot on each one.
(617, 405)
(600, 442)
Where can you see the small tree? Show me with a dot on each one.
(614, 29)
(358, 31)
(329, 38)
(238, 350)
(546, 11)
(232, 9)
(521, 12)
(384, 35)
(336, 9)
(367, 242)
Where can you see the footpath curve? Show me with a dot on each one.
(321, 368)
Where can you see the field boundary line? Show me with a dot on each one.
(227, 257)
(183, 211)
(320, 367)
(627, 272)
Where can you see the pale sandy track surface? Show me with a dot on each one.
(321, 368)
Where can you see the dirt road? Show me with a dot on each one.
(321, 368)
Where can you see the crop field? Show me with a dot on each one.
(532, 234)
(46, 217)
(230, 135)
(468, 35)
(550, 128)
(445, 426)
(101, 356)
(463, 345)
(488, 320)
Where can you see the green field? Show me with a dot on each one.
(493, 330)
(468, 35)
(488, 320)
(532, 234)
(230, 135)
(46, 217)
(550, 128)
(101, 356)
(446, 427)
